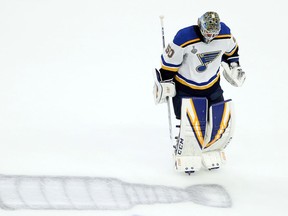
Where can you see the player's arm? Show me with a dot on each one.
(231, 55)
(171, 60)
(233, 72)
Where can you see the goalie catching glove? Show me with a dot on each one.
(234, 74)
(162, 89)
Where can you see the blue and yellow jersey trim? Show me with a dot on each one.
(198, 86)
(225, 31)
(196, 40)
(224, 36)
(232, 51)
(169, 66)
(187, 36)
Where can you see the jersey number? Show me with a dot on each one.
(169, 51)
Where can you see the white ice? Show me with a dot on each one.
(76, 99)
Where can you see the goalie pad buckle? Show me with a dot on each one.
(213, 159)
(188, 163)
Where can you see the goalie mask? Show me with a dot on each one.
(209, 25)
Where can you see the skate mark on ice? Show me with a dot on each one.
(93, 193)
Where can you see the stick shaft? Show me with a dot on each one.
(167, 98)
(162, 28)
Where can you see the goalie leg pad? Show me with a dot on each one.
(201, 142)
(191, 137)
(194, 120)
(220, 126)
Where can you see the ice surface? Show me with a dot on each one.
(76, 99)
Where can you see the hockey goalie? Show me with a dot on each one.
(190, 74)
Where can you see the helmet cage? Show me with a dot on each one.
(209, 25)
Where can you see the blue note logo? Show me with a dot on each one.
(205, 59)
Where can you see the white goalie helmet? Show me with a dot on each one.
(209, 25)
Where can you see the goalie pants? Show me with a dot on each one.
(213, 98)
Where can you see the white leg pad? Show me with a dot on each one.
(213, 159)
(188, 163)
(201, 141)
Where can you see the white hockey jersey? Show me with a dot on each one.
(195, 65)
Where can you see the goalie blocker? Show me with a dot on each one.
(162, 89)
(203, 135)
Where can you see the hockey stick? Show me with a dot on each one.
(167, 98)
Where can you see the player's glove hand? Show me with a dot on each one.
(234, 74)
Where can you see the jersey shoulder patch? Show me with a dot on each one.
(187, 36)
